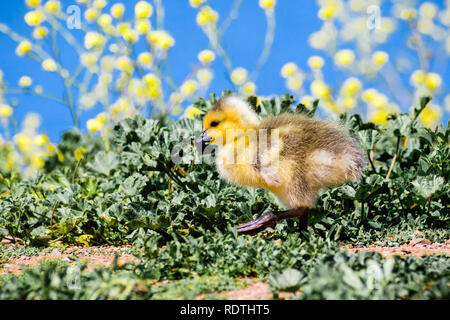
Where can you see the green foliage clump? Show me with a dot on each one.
(148, 186)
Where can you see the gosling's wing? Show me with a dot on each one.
(271, 175)
(267, 162)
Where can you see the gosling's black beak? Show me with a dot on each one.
(203, 137)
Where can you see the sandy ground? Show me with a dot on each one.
(417, 247)
(103, 256)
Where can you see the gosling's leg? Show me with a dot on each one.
(270, 219)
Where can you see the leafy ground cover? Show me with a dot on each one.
(180, 217)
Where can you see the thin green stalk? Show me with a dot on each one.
(6, 128)
(231, 16)
(268, 41)
(370, 156)
(159, 14)
(394, 159)
(29, 92)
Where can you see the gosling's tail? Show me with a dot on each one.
(356, 162)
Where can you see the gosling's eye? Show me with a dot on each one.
(214, 123)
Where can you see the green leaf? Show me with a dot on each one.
(105, 162)
(427, 186)
(369, 138)
(423, 103)
(289, 280)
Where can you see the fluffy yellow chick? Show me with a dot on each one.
(291, 155)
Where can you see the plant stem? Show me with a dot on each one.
(268, 41)
(231, 16)
(394, 159)
(370, 156)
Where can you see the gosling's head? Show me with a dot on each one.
(229, 118)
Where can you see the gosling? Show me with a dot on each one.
(291, 155)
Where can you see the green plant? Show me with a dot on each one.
(181, 215)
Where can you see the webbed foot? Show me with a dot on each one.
(269, 220)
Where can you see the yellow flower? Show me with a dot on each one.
(99, 4)
(91, 14)
(33, 3)
(444, 17)
(36, 162)
(84, 239)
(196, 3)
(93, 125)
(40, 140)
(123, 104)
(49, 65)
(357, 5)
(143, 26)
(60, 155)
(130, 36)
(176, 98)
(40, 32)
(191, 111)
(189, 87)
(425, 26)
(207, 15)
(330, 9)
(239, 76)
(155, 93)
(143, 9)
(316, 62)
(53, 6)
(433, 81)
(101, 118)
(267, 4)
(23, 48)
(249, 88)
(25, 82)
(387, 25)
(206, 57)
(320, 89)
(430, 115)
(145, 59)
(379, 116)
(418, 77)
(294, 82)
(5, 110)
(408, 13)
(50, 148)
(32, 121)
(176, 110)
(348, 102)
(117, 10)
(94, 40)
(123, 27)
(428, 10)
(289, 69)
(344, 58)
(380, 101)
(124, 63)
(88, 59)
(380, 58)
(160, 39)
(351, 87)
(331, 106)
(23, 142)
(104, 20)
(307, 101)
(151, 80)
(204, 76)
